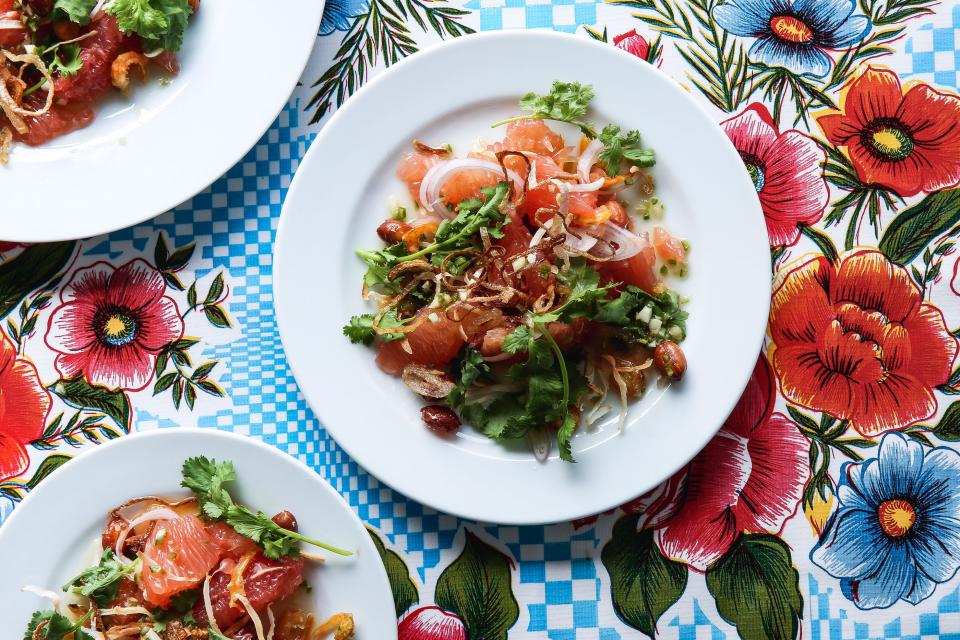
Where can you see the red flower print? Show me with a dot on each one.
(786, 171)
(7, 246)
(24, 405)
(750, 477)
(431, 623)
(632, 42)
(907, 142)
(112, 323)
(855, 340)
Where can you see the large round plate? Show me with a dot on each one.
(452, 93)
(78, 495)
(146, 154)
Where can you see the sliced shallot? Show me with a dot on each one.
(588, 158)
(439, 173)
(619, 243)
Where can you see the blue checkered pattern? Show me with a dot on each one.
(562, 588)
(934, 50)
(560, 15)
(829, 620)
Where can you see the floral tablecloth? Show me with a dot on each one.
(829, 504)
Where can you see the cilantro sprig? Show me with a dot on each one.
(160, 23)
(101, 583)
(77, 11)
(207, 479)
(53, 625)
(622, 148)
(566, 102)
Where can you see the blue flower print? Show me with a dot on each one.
(338, 14)
(793, 34)
(896, 533)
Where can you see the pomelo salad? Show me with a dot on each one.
(59, 58)
(526, 285)
(200, 567)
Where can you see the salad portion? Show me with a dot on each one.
(58, 58)
(201, 567)
(528, 278)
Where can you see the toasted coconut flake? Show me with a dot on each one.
(124, 63)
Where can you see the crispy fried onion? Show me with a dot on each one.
(503, 155)
(6, 143)
(340, 624)
(124, 63)
(437, 151)
(134, 630)
(428, 382)
(616, 371)
(14, 112)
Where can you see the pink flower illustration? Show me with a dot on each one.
(786, 172)
(112, 324)
(750, 477)
(24, 407)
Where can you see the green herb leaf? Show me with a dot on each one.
(53, 625)
(101, 583)
(161, 23)
(472, 368)
(623, 312)
(64, 59)
(77, 11)
(566, 102)
(585, 291)
(206, 478)
(623, 148)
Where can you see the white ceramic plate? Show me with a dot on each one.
(452, 93)
(78, 495)
(147, 154)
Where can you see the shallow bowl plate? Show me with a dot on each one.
(148, 153)
(452, 93)
(44, 538)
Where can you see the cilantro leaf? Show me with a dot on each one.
(53, 625)
(472, 368)
(101, 583)
(65, 59)
(517, 340)
(206, 478)
(566, 102)
(360, 330)
(630, 312)
(77, 11)
(585, 291)
(620, 148)
(161, 23)
(564, 434)
(503, 419)
(379, 263)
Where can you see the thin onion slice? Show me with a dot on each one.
(540, 442)
(208, 605)
(11, 24)
(622, 385)
(439, 173)
(257, 622)
(43, 593)
(125, 611)
(588, 158)
(273, 624)
(621, 244)
(154, 514)
(586, 187)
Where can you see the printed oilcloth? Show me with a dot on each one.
(828, 507)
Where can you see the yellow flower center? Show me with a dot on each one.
(791, 29)
(118, 329)
(897, 517)
(888, 140)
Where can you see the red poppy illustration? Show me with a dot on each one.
(906, 142)
(8, 246)
(24, 406)
(855, 340)
(112, 324)
(786, 172)
(633, 42)
(750, 477)
(431, 623)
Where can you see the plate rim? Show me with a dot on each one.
(462, 510)
(47, 230)
(365, 545)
